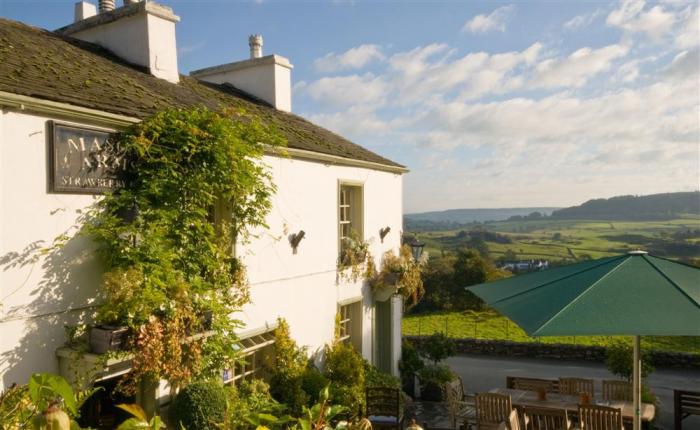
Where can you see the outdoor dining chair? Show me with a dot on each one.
(595, 417)
(532, 384)
(576, 386)
(614, 389)
(492, 409)
(546, 419)
(462, 407)
(383, 407)
(513, 423)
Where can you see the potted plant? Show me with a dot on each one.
(399, 274)
(105, 338)
(354, 251)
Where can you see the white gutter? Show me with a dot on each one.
(32, 104)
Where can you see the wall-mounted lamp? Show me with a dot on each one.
(295, 238)
(383, 232)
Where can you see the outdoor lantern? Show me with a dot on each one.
(417, 249)
(129, 214)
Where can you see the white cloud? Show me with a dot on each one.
(581, 21)
(631, 16)
(354, 58)
(341, 91)
(576, 69)
(495, 21)
(689, 35)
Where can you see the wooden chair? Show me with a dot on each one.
(685, 403)
(546, 419)
(617, 390)
(462, 408)
(594, 417)
(383, 407)
(576, 386)
(532, 384)
(492, 409)
(513, 422)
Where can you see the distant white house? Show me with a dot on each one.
(113, 67)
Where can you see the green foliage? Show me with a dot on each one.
(312, 382)
(345, 371)
(376, 378)
(400, 272)
(200, 405)
(248, 403)
(354, 253)
(620, 360)
(433, 378)
(139, 420)
(195, 187)
(437, 347)
(287, 377)
(23, 404)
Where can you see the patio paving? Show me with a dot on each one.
(482, 373)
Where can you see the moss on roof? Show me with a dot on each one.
(38, 63)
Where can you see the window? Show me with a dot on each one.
(257, 357)
(350, 324)
(349, 212)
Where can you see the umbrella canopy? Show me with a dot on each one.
(630, 294)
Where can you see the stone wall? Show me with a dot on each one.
(560, 351)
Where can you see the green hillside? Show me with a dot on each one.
(651, 207)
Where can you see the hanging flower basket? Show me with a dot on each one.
(384, 293)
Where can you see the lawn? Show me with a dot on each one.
(570, 240)
(490, 325)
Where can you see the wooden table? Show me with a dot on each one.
(522, 398)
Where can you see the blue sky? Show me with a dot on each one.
(490, 104)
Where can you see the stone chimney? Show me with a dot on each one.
(268, 78)
(140, 32)
(84, 10)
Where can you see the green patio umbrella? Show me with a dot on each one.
(633, 294)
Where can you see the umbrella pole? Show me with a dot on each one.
(637, 384)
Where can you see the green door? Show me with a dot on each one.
(382, 336)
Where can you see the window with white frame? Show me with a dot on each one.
(350, 324)
(257, 358)
(349, 212)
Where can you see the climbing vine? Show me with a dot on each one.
(196, 186)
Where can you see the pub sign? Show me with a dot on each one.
(84, 160)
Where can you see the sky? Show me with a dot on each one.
(489, 104)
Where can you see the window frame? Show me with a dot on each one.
(356, 215)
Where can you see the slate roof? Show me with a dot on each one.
(38, 63)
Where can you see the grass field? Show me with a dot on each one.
(490, 325)
(576, 239)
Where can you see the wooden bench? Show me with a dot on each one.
(685, 403)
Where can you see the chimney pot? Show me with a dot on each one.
(106, 5)
(255, 41)
(129, 2)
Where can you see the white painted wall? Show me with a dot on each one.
(38, 297)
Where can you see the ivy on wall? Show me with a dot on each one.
(196, 186)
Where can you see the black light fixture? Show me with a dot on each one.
(416, 249)
(129, 214)
(383, 232)
(295, 238)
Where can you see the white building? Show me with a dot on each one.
(114, 67)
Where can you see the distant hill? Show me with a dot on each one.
(466, 216)
(650, 207)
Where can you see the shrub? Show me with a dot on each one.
(286, 380)
(200, 405)
(437, 347)
(345, 371)
(376, 378)
(248, 399)
(432, 380)
(619, 360)
(409, 365)
(312, 382)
